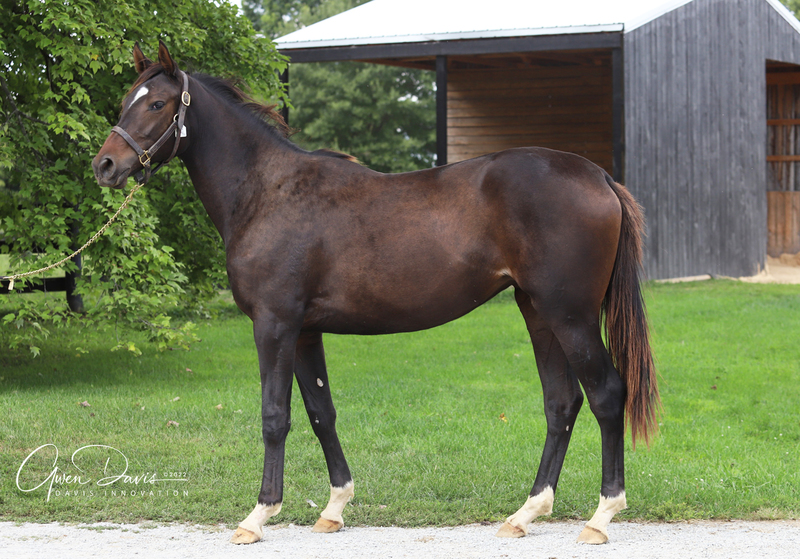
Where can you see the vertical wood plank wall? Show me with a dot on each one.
(696, 133)
(783, 222)
(560, 107)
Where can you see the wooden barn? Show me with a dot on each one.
(693, 104)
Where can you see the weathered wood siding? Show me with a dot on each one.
(566, 108)
(783, 222)
(696, 134)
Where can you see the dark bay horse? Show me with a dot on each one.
(317, 243)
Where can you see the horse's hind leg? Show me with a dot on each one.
(588, 358)
(312, 378)
(562, 401)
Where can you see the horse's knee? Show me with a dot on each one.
(275, 428)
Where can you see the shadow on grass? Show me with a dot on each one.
(61, 365)
(84, 356)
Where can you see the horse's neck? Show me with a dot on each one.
(226, 154)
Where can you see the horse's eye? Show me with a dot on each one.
(157, 106)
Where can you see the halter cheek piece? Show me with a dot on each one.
(175, 128)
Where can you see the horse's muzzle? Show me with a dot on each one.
(108, 172)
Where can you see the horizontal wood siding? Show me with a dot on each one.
(696, 133)
(565, 108)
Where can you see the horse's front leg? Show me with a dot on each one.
(276, 342)
(312, 378)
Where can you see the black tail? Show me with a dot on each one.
(626, 323)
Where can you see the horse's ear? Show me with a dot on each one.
(140, 61)
(166, 60)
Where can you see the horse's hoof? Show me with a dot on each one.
(592, 536)
(244, 536)
(325, 526)
(508, 530)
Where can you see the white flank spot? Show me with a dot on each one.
(320, 383)
(141, 92)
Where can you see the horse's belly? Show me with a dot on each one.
(403, 304)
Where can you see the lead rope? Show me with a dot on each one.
(124, 205)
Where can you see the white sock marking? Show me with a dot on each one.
(606, 511)
(259, 517)
(339, 499)
(537, 505)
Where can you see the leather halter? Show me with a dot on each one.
(175, 128)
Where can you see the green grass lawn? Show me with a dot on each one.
(419, 418)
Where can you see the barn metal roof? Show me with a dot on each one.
(410, 21)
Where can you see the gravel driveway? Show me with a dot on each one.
(729, 540)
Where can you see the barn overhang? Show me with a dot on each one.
(417, 53)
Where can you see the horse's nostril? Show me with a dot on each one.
(106, 167)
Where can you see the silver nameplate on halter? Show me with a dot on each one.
(183, 131)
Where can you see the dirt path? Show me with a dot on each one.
(692, 540)
(785, 269)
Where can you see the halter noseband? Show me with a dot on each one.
(176, 127)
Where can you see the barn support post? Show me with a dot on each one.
(284, 77)
(441, 110)
(618, 115)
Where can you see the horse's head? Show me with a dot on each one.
(151, 124)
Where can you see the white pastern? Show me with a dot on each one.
(536, 505)
(340, 496)
(259, 517)
(606, 510)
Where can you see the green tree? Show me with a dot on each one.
(384, 115)
(65, 68)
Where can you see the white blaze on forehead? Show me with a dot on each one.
(141, 92)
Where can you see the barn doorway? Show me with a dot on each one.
(783, 158)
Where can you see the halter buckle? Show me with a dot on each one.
(186, 99)
(144, 158)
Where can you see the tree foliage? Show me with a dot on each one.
(383, 115)
(65, 68)
(793, 5)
